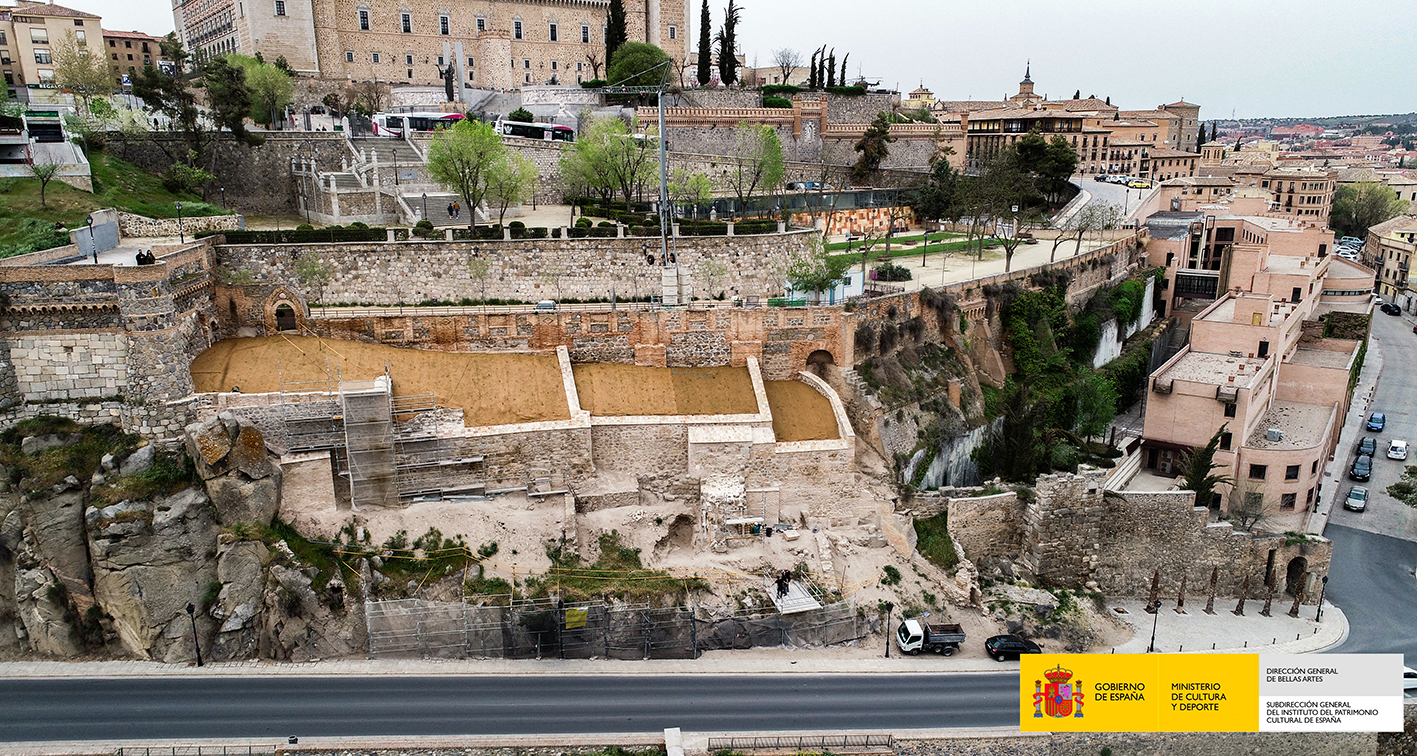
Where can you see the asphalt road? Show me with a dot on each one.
(1115, 194)
(1396, 396)
(265, 707)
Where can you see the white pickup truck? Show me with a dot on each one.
(915, 636)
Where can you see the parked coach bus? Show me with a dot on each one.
(393, 124)
(547, 132)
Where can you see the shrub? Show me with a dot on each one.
(517, 226)
(359, 224)
(856, 91)
(304, 227)
(776, 102)
(423, 228)
(593, 83)
(892, 576)
(583, 223)
(892, 272)
(521, 114)
(780, 90)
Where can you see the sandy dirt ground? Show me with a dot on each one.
(606, 389)
(491, 389)
(799, 413)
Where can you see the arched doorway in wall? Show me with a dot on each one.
(1294, 576)
(818, 361)
(285, 318)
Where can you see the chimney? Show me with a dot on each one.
(1231, 380)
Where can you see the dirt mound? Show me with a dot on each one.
(799, 413)
(606, 389)
(491, 389)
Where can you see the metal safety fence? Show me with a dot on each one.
(495, 627)
(800, 742)
(196, 750)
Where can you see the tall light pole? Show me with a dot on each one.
(1322, 589)
(425, 206)
(93, 243)
(181, 237)
(889, 607)
(192, 615)
(1155, 615)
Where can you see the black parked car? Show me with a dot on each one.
(1003, 647)
(1362, 469)
(1368, 446)
(1392, 309)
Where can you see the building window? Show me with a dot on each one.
(585, 34)
(1314, 468)
(1309, 498)
(78, 22)
(80, 38)
(481, 24)
(1291, 472)
(552, 31)
(1225, 440)
(1229, 409)
(526, 63)
(364, 21)
(280, 7)
(374, 57)
(443, 26)
(42, 56)
(1286, 501)
(349, 56)
(408, 60)
(469, 62)
(1257, 472)
(410, 73)
(516, 30)
(440, 61)
(579, 66)
(407, 21)
(39, 36)
(115, 57)
(673, 33)
(553, 65)
(528, 78)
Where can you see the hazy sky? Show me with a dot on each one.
(1252, 57)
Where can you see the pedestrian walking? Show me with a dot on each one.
(457, 209)
(450, 211)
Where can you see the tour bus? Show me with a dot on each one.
(546, 132)
(393, 124)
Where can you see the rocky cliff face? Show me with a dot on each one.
(105, 545)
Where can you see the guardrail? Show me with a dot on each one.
(800, 742)
(197, 750)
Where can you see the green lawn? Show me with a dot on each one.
(27, 226)
(878, 253)
(837, 246)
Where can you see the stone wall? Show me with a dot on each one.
(1152, 744)
(257, 179)
(720, 98)
(660, 450)
(572, 95)
(529, 270)
(987, 526)
(863, 109)
(1062, 529)
(142, 226)
(69, 365)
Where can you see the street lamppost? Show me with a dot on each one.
(889, 607)
(192, 615)
(93, 243)
(222, 189)
(181, 237)
(1155, 607)
(396, 166)
(425, 206)
(1320, 613)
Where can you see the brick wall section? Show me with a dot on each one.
(409, 272)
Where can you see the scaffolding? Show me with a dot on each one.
(309, 411)
(369, 442)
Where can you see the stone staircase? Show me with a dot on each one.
(386, 150)
(1177, 341)
(438, 208)
(344, 181)
(859, 386)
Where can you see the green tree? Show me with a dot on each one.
(1004, 189)
(690, 188)
(812, 71)
(168, 94)
(510, 181)
(631, 158)
(728, 44)
(83, 74)
(1059, 162)
(229, 100)
(460, 159)
(1031, 150)
(616, 33)
(1198, 468)
(1405, 490)
(521, 114)
(586, 162)
(844, 58)
(45, 172)
(831, 68)
(314, 273)
(1358, 207)
(270, 88)
(704, 74)
(478, 268)
(874, 148)
(816, 271)
(637, 64)
(1200, 137)
(938, 196)
(1096, 406)
(759, 165)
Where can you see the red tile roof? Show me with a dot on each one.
(45, 9)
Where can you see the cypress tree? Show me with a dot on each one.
(812, 72)
(1200, 136)
(705, 72)
(616, 33)
(1077, 95)
(843, 68)
(831, 69)
(728, 44)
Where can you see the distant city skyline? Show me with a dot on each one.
(1238, 56)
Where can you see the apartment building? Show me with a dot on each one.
(1253, 290)
(28, 33)
(129, 52)
(503, 44)
(1389, 251)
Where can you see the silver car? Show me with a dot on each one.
(1357, 500)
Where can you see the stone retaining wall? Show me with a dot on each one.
(142, 226)
(70, 365)
(987, 526)
(1151, 744)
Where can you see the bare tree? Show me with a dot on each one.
(1092, 217)
(787, 60)
(595, 65)
(478, 269)
(45, 172)
(1247, 508)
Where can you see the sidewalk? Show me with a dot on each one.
(1223, 632)
(1348, 437)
